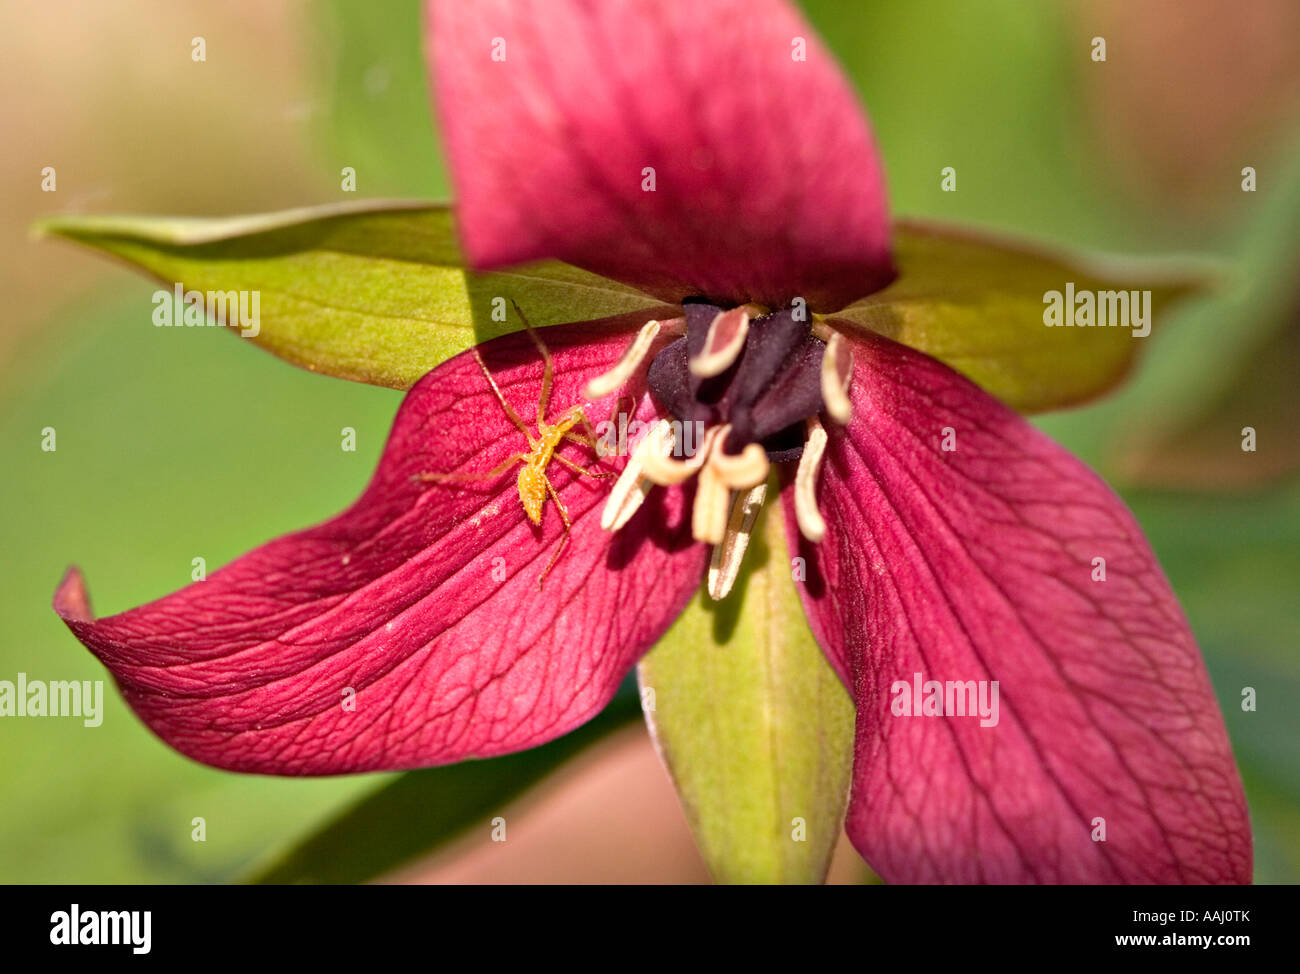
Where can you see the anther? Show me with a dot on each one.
(727, 556)
(725, 339)
(630, 490)
(739, 471)
(712, 504)
(837, 374)
(811, 524)
(631, 359)
(668, 471)
(721, 474)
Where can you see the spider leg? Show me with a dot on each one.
(492, 474)
(589, 438)
(564, 538)
(514, 416)
(617, 408)
(579, 468)
(548, 368)
(601, 444)
(586, 423)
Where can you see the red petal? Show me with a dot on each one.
(767, 184)
(977, 564)
(396, 599)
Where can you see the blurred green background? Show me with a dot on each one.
(177, 443)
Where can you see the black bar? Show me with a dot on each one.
(477, 926)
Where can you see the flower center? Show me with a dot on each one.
(761, 377)
(755, 382)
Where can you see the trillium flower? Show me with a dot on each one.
(711, 155)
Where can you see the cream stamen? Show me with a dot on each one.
(725, 339)
(725, 565)
(837, 375)
(632, 486)
(811, 524)
(712, 503)
(668, 471)
(742, 470)
(721, 474)
(627, 365)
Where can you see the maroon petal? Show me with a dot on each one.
(421, 599)
(977, 565)
(680, 147)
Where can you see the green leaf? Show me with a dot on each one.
(375, 292)
(753, 724)
(977, 304)
(423, 810)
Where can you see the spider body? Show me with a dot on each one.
(533, 483)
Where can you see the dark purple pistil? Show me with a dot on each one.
(766, 394)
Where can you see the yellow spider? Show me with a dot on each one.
(533, 484)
